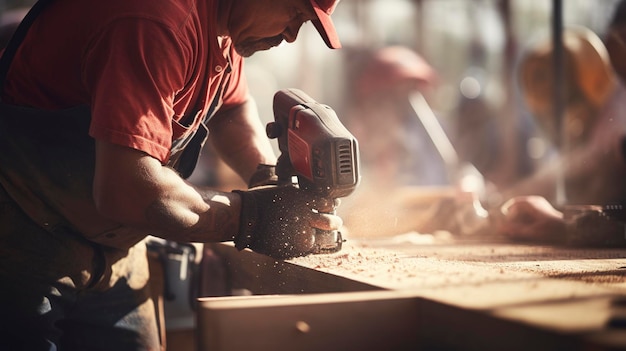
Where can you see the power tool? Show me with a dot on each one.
(317, 150)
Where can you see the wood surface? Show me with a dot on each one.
(454, 295)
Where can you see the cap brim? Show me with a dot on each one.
(325, 27)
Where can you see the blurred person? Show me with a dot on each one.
(105, 108)
(478, 135)
(407, 180)
(591, 121)
(394, 146)
(592, 156)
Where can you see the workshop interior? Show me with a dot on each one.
(425, 126)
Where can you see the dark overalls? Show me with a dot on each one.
(69, 279)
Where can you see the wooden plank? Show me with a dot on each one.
(495, 295)
(470, 276)
(379, 320)
(404, 265)
(318, 322)
(262, 275)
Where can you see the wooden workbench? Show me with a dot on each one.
(413, 292)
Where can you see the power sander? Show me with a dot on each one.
(317, 153)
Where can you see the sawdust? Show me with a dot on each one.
(361, 263)
(400, 264)
(353, 258)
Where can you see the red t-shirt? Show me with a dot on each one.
(142, 65)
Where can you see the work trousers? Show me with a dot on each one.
(59, 291)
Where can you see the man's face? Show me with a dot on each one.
(259, 25)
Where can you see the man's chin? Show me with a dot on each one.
(247, 49)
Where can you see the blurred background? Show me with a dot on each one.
(461, 56)
(473, 46)
(432, 89)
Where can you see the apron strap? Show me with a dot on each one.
(18, 37)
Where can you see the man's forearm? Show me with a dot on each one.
(135, 190)
(239, 138)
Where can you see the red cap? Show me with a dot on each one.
(391, 66)
(323, 24)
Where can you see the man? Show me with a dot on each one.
(105, 106)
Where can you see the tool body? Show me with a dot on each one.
(317, 150)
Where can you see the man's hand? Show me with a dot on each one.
(532, 218)
(264, 175)
(280, 221)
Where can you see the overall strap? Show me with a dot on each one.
(18, 37)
